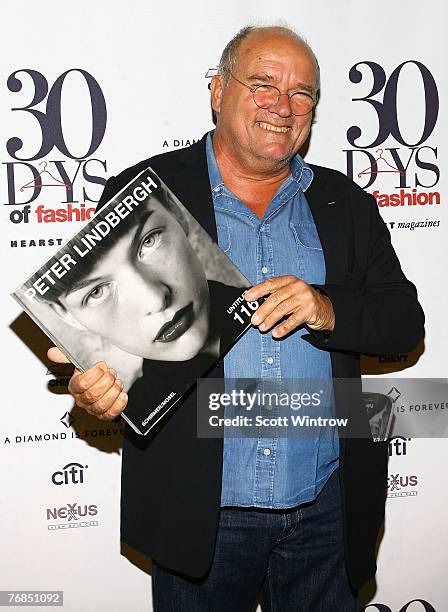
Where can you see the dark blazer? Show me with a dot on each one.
(171, 480)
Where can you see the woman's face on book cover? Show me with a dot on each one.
(148, 294)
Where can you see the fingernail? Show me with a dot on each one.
(124, 396)
(262, 327)
(112, 371)
(256, 319)
(119, 383)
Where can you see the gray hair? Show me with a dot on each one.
(229, 55)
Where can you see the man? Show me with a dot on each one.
(294, 515)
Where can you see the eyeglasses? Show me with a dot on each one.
(265, 96)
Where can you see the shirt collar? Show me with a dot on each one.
(300, 171)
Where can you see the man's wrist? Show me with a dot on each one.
(325, 319)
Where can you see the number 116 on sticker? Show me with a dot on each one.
(247, 310)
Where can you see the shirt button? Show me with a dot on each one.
(264, 270)
(270, 360)
(216, 189)
(266, 452)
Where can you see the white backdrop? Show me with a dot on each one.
(145, 64)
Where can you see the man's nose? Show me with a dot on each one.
(282, 107)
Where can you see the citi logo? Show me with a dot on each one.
(398, 446)
(72, 512)
(72, 473)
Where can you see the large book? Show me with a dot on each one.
(143, 287)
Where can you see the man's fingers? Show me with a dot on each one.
(117, 407)
(268, 286)
(56, 355)
(102, 406)
(79, 383)
(279, 304)
(97, 391)
(291, 323)
(278, 310)
(294, 317)
(292, 300)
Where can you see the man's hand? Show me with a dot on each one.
(97, 390)
(294, 299)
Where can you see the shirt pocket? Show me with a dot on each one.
(224, 241)
(306, 236)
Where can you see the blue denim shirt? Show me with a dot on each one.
(278, 472)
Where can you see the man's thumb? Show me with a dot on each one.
(56, 355)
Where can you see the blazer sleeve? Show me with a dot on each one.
(379, 312)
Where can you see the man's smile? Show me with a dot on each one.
(273, 128)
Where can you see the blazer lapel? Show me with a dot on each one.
(190, 182)
(333, 227)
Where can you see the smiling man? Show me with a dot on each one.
(250, 137)
(293, 519)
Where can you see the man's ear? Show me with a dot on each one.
(216, 88)
(66, 316)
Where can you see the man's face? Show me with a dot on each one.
(273, 135)
(148, 294)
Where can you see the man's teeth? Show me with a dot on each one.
(272, 128)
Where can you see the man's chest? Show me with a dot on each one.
(284, 241)
(342, 237)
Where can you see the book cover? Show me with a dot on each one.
(143, 287)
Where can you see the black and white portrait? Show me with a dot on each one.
(141, 286)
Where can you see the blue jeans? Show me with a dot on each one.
(293, 559)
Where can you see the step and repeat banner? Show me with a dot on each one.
(91, 89)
